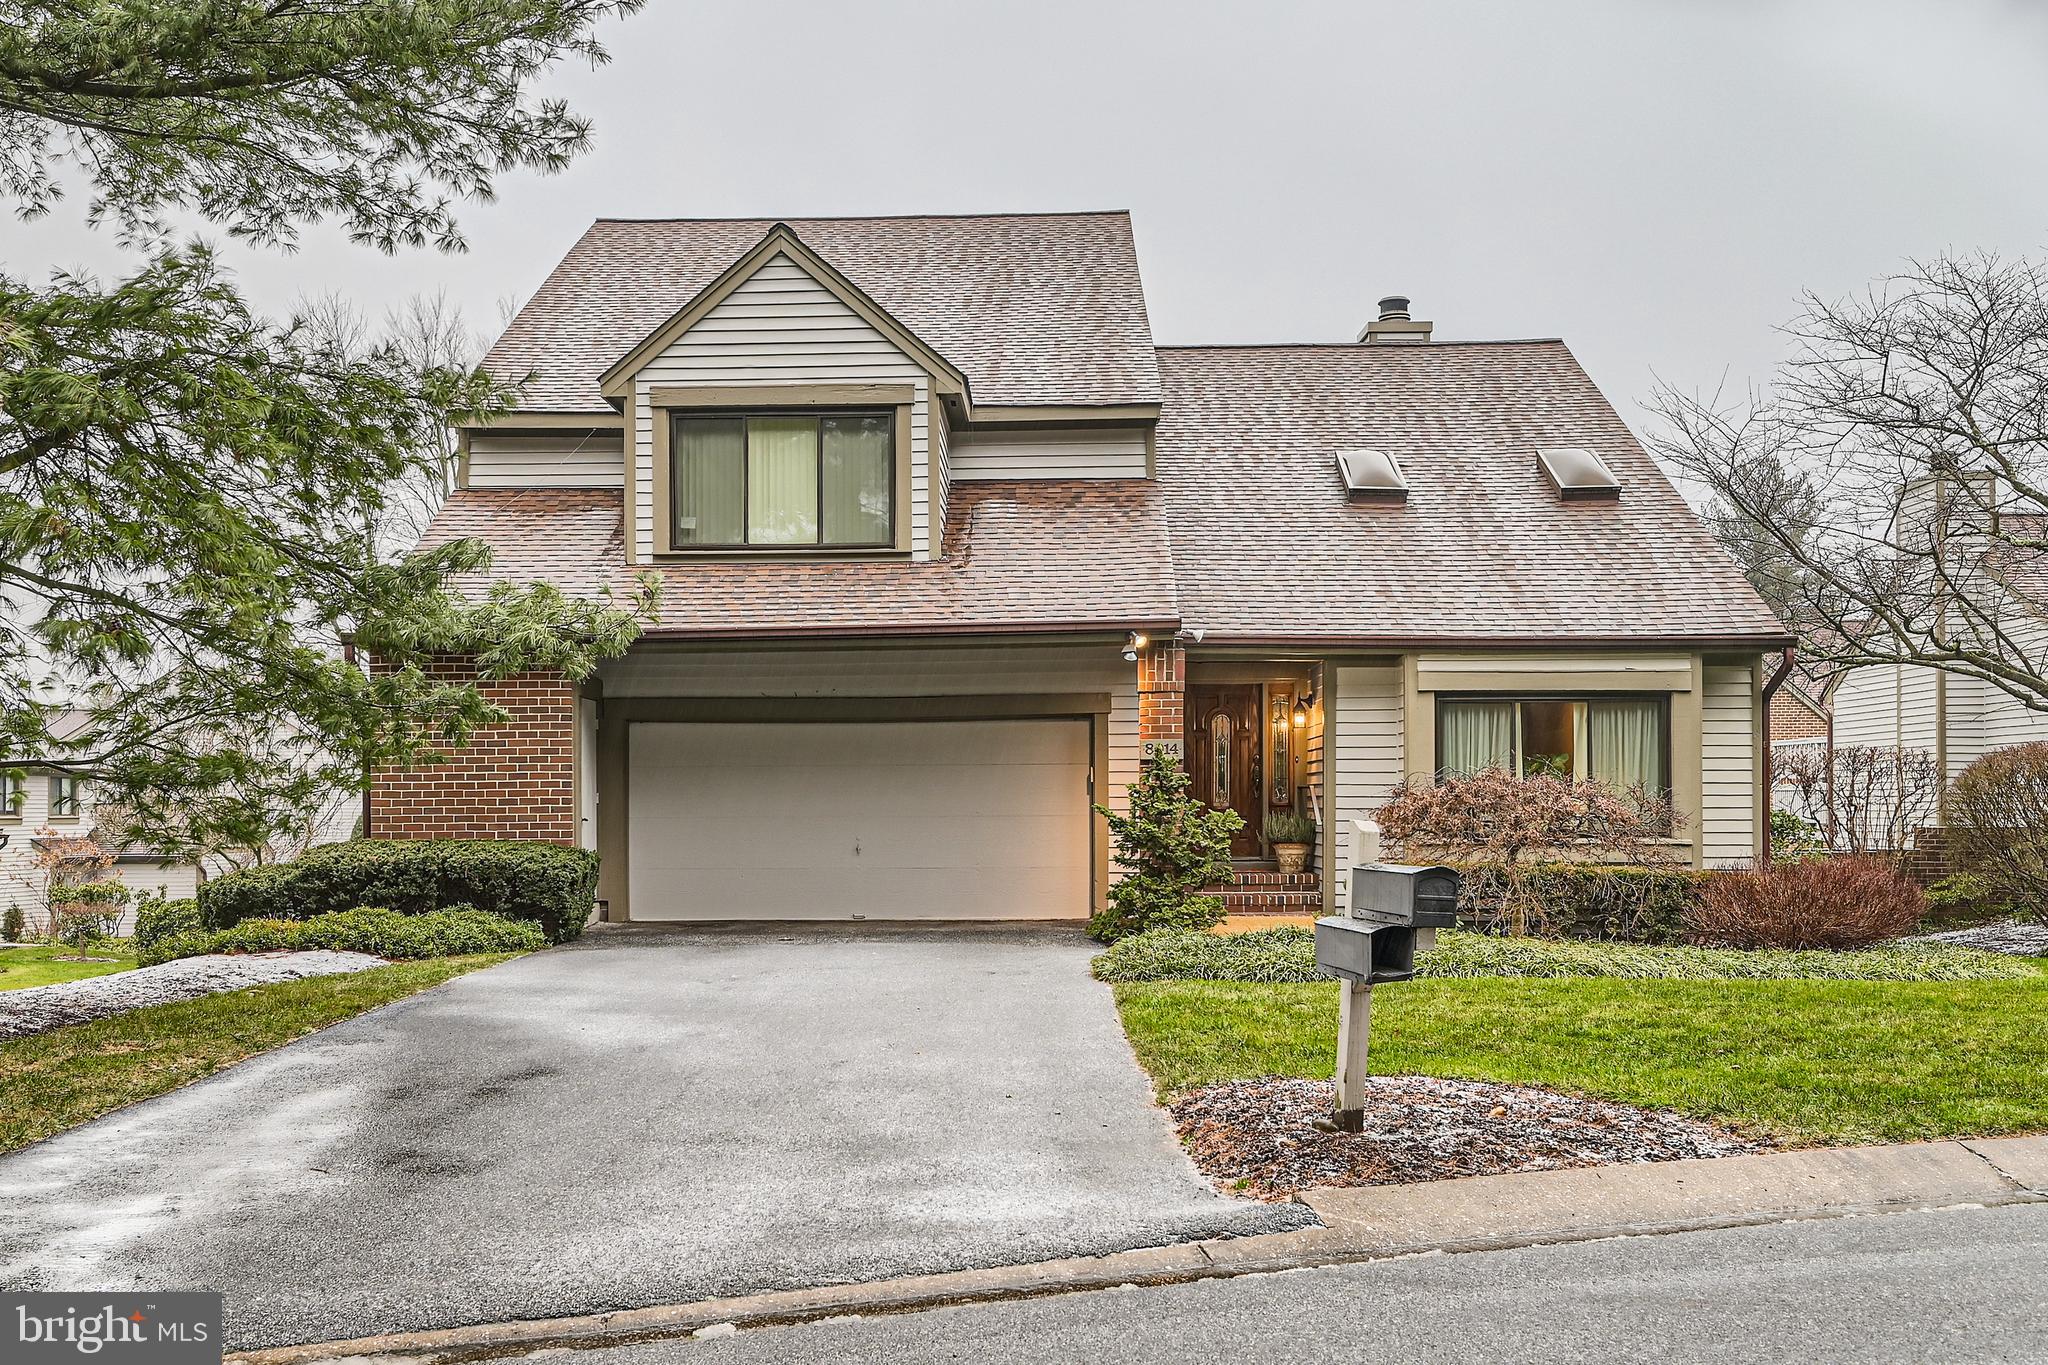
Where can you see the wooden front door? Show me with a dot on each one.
(1225, 757)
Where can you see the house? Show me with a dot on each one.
(41, 807)
(47, 809)
(944, 540)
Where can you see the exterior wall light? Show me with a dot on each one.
(1301, 705)
(1132, 644)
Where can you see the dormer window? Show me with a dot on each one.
(778, 480)
(1577, 473)
(1372, 476)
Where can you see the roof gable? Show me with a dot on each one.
(1033, 310)
(780, 243)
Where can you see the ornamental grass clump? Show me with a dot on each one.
(1169, 846)
(1834, 903)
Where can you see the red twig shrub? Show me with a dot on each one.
(1847, 902)
(1998, 824)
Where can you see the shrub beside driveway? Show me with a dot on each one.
(1801, 1061)
(69, 1076)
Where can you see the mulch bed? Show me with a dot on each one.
(1258, 1137)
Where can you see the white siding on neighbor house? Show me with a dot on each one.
(1366, 744)
(570, 459)
(780, 326)
(1075, 453)
(1728, 772)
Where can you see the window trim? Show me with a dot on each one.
(1663, 700)
(12, 812)
(77, 800)
(818, 417)
(666, 404)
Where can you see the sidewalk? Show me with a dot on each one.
(1361, 1224)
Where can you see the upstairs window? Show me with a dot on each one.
(771, 480)
(13, 795)
(1618, 741)
(63, 798)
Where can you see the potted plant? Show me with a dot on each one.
(1291, 836)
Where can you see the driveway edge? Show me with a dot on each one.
(1478, 1213)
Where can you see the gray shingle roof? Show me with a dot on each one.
(1027, 555)
(1266, 545)
(1034, 309)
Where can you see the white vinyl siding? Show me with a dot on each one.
(1366, 746)
(780, 326)
(580, 459)
(1081, 453)
(1728, 765)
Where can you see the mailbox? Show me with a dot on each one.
(1405, 896)
(1369, 953)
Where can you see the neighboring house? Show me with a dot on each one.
(46, 803)
(944, 540)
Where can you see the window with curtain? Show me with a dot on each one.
(775, 479)
(1618, 741)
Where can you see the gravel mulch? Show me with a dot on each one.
(1258, 1137)
(2012, 936)
(41, 1008)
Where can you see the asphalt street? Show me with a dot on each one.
(643, 1117)
(1948, 1286)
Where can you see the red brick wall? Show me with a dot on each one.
(1792, 718)
(513, 781)
(1162, 693)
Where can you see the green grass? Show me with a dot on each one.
(65, 1077)
(1289, 954)
(21, 968)
(1804, 1061)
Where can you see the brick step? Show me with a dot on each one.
(1279, 881)
(1267, 902)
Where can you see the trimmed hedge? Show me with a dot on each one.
(553, 886)
(1592, 900)
(1289, 954)
(157, 919)
(454, 932)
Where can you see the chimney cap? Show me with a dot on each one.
(1394, 308)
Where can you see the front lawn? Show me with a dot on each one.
(21, 968)
(65, 1077)
(1803, 1061)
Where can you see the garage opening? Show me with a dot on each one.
(935, 820)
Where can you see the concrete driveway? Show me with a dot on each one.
(647, 1116)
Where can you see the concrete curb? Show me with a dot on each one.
(1369, 1223)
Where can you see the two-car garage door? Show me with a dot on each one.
(907, 820)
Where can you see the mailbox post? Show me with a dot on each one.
(1393, 912)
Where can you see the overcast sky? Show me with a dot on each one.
(1655, 181)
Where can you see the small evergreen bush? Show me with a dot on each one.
(157, 918)
(1170, 846)
(551, 885)
(453, 932)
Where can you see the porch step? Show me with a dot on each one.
(1271, 893)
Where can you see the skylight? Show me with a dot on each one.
(1372, 475)
(1578, 473)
